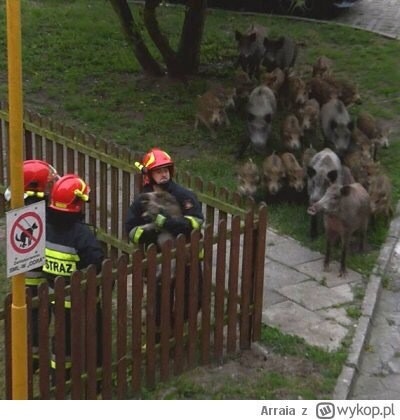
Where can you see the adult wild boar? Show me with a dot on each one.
(260, 108)
(336, 126)
(280, 52)
(346, 210)
(323, 167)
(251, 49)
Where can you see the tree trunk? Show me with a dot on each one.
(134, 38)
(192, 34)
(161, 42)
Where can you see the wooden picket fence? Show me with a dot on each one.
(135, 353)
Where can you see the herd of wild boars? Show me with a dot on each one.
(303, 135)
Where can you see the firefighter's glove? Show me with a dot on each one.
(160, 220)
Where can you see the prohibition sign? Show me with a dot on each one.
(27, 234)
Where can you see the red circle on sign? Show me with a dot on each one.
(26, 233)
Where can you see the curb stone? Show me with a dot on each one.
(346, 379)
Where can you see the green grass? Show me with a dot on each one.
(78, 69)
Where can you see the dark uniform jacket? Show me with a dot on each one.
(191, 210)
(70, 246)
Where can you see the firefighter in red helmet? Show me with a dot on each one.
(39, 178)
(157, 169)
(70, 245)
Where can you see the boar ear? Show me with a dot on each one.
(310, 171)
(332, 176)
(238, 35)
(345, 190)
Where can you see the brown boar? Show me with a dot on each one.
(321, 90)
(346, 210)
(375, 130)
(273, 173)
(291, 132)
(308, 115)
(211, 112)
(294, 172)
(362, 142)
(359, 164)
(274, 80)
(307, 156)
(248, 178)
(296, 91)
(380, 191)
(322, 67)
(347, 91)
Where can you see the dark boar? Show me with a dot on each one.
(251, 49)
(273, 173)
(380, 191)
(323, 167)
(248, 178)
(261, 108)
(154, 203)
(294, 172)
(346, 209)
(321, 90)
(336, 126)
(280, 52)
(291, 132)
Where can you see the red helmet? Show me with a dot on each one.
(154, 159)
(69, 193)
(39, 178)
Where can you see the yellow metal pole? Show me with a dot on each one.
(19, 350)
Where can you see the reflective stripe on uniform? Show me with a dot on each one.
(34, 278)
(135, 234)
(60, 260)
(194, 221)
(67, 364)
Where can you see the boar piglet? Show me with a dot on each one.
(346, 210)
(295, 91)
(291, 132)
(336, 126)
(280, 52)
(248, 178)
(380, 191)
(308, 115)
(323, 169)
(322, 67)
(273, 173)
(251, 49)
(154, 203)
(294, 172)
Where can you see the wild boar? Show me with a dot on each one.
(347, 91)
(211, 112)
(291, 132)
(380, 191)
(294, 172)
(307, 155)
(248, 178)
(273, 173)
(274, 80)
(323, 167)
(362, 142)
(346, 210)
(361, 166)
(296, 91)
(308, 115)
(322, 67)
(155, 202)
(261, 109)
(280, 52)
(321, 90)
(251, 49)
(374, 129)
(336, 126)
(226, 95)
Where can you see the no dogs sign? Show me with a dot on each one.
(26, 238)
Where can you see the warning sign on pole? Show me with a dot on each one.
(26, 238)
